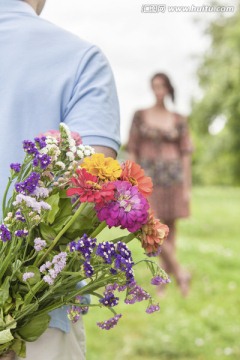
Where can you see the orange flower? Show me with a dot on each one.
(134, 174)
(153, 234)
(106, 168)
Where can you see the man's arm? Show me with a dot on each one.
(108, 152)
(93, 110)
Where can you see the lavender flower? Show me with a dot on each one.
(152, 308)
(129, 209)
(54, 267)
(29, 185)
(5, 234)
(136, 294)
(16, 167)
(31, 203)
(21, 233)
(110, 323)
(27, 275)
(47, 279)
(41, 192)
(39, 244)
(30, 147)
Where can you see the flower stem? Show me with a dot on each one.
(99, 229)
(60, 234)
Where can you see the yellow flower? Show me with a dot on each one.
(106, 168)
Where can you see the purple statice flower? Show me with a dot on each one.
(106, 250)
(80, 300)
(84, 245)
(28, 185)
(152, 308)
(5, 234)
(129, 209)
(21, 233)
(88, 269)
(127, 286)
(160, 279)
(155, 253)
(124, 265)
(136, 294)
(109, 299)
(74, 313)
(42, 160)
(30, 147)
(110, 323)
(41, 142)
(124, 261)
(27, 275)
(15, 167)
(19, 216)
(39, 244)
(111, 287)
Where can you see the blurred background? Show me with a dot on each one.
(200, 51)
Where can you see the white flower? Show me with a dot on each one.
(61, 165)
(70, 155)
(73, 149)
(80, 154)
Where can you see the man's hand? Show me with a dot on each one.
(108, 152)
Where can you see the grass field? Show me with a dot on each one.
(206, 325)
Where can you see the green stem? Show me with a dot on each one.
(5, 197)
(125, 239)
(99, 229)
(60, 234)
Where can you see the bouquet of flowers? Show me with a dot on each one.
(64, 195)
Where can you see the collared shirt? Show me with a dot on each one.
(48, 75)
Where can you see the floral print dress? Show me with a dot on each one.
(160, 153)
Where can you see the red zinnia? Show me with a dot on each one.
(89, 190)
(134, 174)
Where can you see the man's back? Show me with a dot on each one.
(48, 75)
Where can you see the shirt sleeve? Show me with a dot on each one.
(93, 110)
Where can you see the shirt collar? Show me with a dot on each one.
(18, 6)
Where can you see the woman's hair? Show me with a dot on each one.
(167, 81)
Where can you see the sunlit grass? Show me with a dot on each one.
(206, 325)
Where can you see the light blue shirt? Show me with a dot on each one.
(48, 75)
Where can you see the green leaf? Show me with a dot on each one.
(53, 200)
(47, 232)
(4, 291)
(19, 347)
(5, 336)
(34, 328)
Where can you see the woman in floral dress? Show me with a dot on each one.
(159, 141)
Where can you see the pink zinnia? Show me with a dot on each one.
(129, 209)
(88, 189)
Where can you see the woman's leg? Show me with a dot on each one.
(169, 261)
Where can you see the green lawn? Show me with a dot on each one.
(206, 325)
